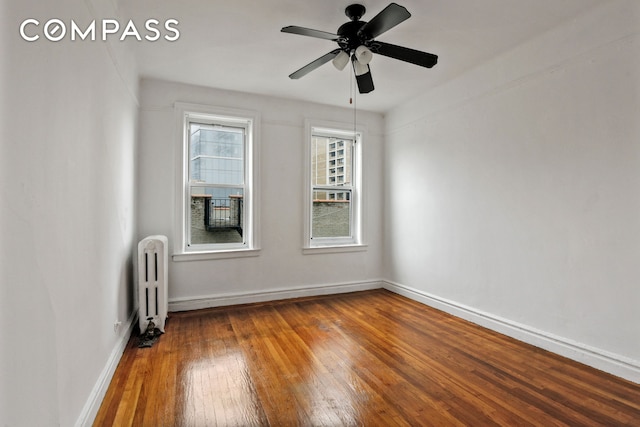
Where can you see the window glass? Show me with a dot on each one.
(333, 209)
(216, 211)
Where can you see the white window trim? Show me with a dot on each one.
(251, 247)
(357, 241)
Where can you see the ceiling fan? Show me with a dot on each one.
(356, 44)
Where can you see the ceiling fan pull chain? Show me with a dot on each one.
(351, 88)
(355, 95)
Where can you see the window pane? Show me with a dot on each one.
(326, 152)
(216, 154)
(331, 214)
(216, 215)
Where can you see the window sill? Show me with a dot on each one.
(311, 250)
(212, 255)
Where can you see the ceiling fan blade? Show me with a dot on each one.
(309, 32)
(365, 81)
(388, 18)
(315, 64)
(406, 54)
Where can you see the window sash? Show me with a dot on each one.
(241, 184)
(328, 219)
(339, 141)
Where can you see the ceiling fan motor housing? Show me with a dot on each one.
(355, 11)
(349, 36)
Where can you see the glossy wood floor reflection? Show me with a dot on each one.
(364, 359)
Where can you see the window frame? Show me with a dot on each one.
(356, 241)
(250, 121)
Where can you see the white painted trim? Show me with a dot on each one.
(359, 213)
(614, 364)
(220, 300)
(92, 405)
(204, 256)
(333, 249)
(182, 111)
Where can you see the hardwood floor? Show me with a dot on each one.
(369, 359)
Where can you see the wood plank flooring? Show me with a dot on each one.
(370, 358)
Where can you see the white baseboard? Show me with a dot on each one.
(614, 364)
(186, 304)
(91, 407)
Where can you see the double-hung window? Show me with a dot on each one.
(334, 188)
(218, 203)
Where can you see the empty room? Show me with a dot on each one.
(327, 213)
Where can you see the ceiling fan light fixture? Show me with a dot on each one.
(364, 55)
(356, 39)
(341, 60)
(359, 68)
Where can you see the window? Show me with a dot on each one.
(218, 202)
(334, 197)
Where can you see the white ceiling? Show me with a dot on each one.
(237, 45)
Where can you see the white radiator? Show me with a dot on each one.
(152, 282)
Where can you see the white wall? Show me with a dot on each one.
(513, 192)
(281, 269)
(69, 117)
